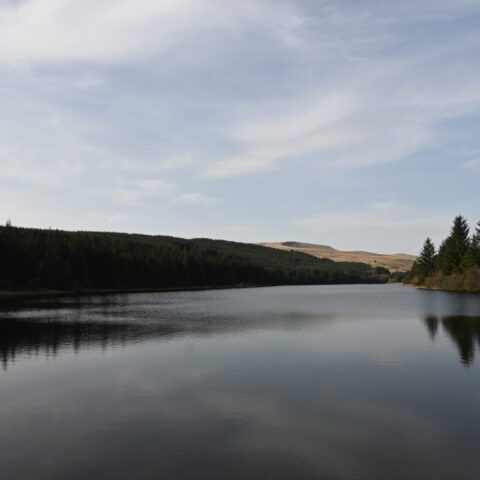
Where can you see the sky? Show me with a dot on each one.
(346, 123)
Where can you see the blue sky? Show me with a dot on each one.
(354, 124)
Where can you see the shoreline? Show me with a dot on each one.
(440, 289)
(20, 294)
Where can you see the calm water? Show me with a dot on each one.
(328, 382)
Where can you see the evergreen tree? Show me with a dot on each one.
(474, 252)
(425, 264)
(441, 257)
(453, 251)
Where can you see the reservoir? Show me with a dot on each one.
(357, 382)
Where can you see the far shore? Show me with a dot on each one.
(43, 292)
(440, 289)
(19, 294)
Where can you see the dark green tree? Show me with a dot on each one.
(425, 264)
(454, 249)
(472, 257)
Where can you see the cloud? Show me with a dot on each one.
(67, 30)
(153, 186)
(357, 124)
(235, 166)
(473, 165)
(117, 30)
(135, 192)
(21, 164)
(176, 162)
(196, 199)
(377, 99)
(370, 217)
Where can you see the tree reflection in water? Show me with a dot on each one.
(31, 337)
(20, 337)
(463, 331)
(431, 323)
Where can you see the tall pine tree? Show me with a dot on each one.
(474, 252)
(425, 264)
(453, 251)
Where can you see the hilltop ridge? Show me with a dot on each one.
(306, 245)
(396, 262)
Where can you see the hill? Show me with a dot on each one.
(306, 245)
(61, 260)
(398, 262)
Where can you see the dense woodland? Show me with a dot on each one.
(456, 263)
(55, 259)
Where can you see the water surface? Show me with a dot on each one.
(323, 382)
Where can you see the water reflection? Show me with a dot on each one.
(44, 327)
(48, 329)
(463, 331)
(25, 337)
(431, 322)
(331, 382)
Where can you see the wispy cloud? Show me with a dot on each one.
(66, 30)
(196, 199)
(372, 120)
(137, 192)
(122, 30)
(473, 165)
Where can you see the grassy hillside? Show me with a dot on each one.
(34, 258)
(397, 262)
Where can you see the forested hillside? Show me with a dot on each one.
(456, 264)
(34, 258)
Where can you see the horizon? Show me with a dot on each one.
(335, 123)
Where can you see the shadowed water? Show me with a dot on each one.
(328, 382)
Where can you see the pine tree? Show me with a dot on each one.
(475, 246)
(425, 264)
(454, 249)
(441, 257)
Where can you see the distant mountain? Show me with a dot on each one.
(397, 262)
(306, 245)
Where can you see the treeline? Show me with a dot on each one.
(55, 259)
(456, 264)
